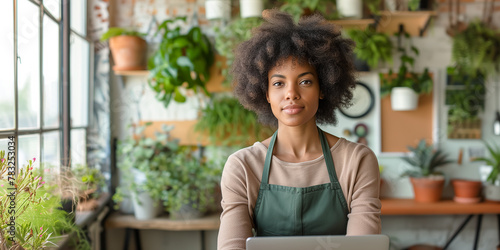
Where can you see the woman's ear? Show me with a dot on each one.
(267, 97)
(321, 96)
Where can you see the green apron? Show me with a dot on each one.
(314, 210)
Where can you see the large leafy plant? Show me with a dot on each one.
(181, 60)
(493, 160)
(227, 38)
(424, 159)
(405, 77)
(371, 46)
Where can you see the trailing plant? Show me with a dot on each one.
(150, 157)
(420, 83)
(476, 50)
(493, 160)
(226, 40)
(181, 60)
(226, 122)
(191, 182)
(465, 95)
(371, 46)
(425, 159)
(117, 31)
(31, 214)
(91, 179)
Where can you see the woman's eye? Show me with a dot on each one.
(277, 84)
(306, 82)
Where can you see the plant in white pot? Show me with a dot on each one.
(218, 9)
(492, 188)
(251, 8)
(427, 182)
(405, 86)
(144, 164)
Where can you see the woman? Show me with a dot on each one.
(301, 181)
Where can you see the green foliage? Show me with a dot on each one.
(425, 159)
(420, 83)
(39, 222)
(296, 8)
(116, 31)
(226, 40)
(180, 60)
(150, 156)
(191, 181)
(371, 46)
(466, 99)
(91, 178)
(373, 6)
(414, 5)
(476, 50)
(227, 123)
(493, 161)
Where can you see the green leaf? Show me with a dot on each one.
(178, 96)
(184, 61)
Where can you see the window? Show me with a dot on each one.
(39, 54)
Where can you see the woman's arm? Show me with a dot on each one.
(236, 223)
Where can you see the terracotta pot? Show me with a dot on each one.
(129, 52)
(466, 188)
(427, 189)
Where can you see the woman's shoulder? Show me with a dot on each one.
(248, 156)
(340, 145)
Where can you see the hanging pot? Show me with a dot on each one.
(218, 9)
(350, 8)
(467, 191)
(129, 52)
(427, 189)
(251, 8)
(403, 99)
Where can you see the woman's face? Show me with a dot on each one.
(293, 92)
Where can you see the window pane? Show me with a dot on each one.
(79, 16)
(7, 66)
(79, 59)
(28, 65)
(54, 7)
(4, 146)
(50, 58)
(51, 150)
(29, 148)
(78, 147)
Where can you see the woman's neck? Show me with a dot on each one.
(298, 144)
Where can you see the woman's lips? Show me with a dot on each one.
(292, 109)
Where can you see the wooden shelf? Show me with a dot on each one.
(353, 23)
(415, 22)
(411, 207)
(183, 131)
(131, 72)
(117, 220)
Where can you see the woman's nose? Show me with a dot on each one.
(292, 92)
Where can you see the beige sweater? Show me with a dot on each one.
(357, 171)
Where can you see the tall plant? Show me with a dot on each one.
(425, 159)
(181, 60)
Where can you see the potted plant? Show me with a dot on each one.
(227, 38)
(192, 185)
(144, 164)
(405, 86)
(226, 122)
(427, 182)
(218, 9)
(128, 48)
(251, 8)
(182, 61)
(492, 188)
(91, 184)
(31, 214)
(371, 46)
(298, 8)
(350, 8)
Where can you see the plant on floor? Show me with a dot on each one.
(226, 122)
(228, 38)
(371, 46)
(420, 83)
(424, 160)
(30, 212)
(493, 161)
(181, 61)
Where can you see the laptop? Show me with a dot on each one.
(325, 242)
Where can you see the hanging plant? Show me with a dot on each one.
(181, 61)
(371, 46)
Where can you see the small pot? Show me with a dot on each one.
(350, 8)
(427, 189)
(145, 207)
(467, 191)
(129, 52)
(251, 8)
(216, 9)
(403, 99)
(492, 193)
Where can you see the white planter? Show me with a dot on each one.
(403, 99)
(218, 9)
(484, 172)
(350, 8)
(145, 207)
(492, 192)
(251, 8)
(391, 5)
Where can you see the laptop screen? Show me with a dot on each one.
(326, 242)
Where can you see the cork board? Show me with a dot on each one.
(403, 128)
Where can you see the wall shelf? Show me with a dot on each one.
(414, 22)
(131, 72)
(353, 23)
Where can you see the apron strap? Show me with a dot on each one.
(327, 154)
(267, 163)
